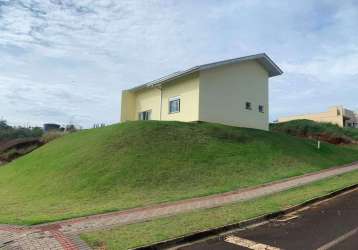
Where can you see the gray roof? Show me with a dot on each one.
(263, 59)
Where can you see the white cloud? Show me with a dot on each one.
(327, 67)
(74, 57)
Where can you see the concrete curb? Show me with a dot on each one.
(186, 239)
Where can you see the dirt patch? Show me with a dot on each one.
(330, 138)
(327, 132)
(337, 140)
(5, 145)
(10, 150)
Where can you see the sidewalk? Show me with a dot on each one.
(64, 234)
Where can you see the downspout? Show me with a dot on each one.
(161, 102)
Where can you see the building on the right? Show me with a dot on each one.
(337, 115)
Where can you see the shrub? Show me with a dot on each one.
(8, 133)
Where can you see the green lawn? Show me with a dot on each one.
(141, 163)
(352, 146)
(139, 234)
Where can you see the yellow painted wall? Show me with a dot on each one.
(148, 99)
(333, 115)
(225, 90)
(157, 100)
(127, 106)
(187, 88)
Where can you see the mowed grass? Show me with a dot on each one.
(140, 163)
(145, 233)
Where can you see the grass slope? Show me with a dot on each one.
(140, 163)
(324, 131)
(145, 233)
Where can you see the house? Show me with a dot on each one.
(337, 115)
(232, 92)
(51, 127)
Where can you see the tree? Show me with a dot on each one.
(8, 132)
(4, 125)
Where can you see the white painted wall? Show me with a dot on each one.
(225, 90)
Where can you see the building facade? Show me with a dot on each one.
(336, 115)
(232, 92)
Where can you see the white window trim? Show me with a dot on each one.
(174, 98)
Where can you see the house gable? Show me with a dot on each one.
(225, 92)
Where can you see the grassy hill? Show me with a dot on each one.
(323, 131)
(140, 163)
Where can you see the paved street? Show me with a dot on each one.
(331, 224)
(64, 234)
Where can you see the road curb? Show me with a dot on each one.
(190, 238)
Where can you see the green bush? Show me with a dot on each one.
(8, 133)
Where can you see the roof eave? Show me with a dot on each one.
(263, 59)
(165, 79)
(272, 68)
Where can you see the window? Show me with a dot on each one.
(145, 115)
(248, 106)
(174, 105)
(261, 109)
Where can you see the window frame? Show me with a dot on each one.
(149, 114)
(261, 108)
(174, 99)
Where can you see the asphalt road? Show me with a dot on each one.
(332, 224)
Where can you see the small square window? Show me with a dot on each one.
(174, 105)
(248, 106)
(261, 109)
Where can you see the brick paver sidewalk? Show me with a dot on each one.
(64, 234)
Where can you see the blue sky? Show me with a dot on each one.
(67, 61)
